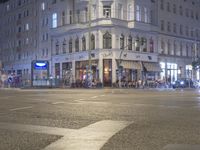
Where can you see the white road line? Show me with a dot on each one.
(21, 108)
(55, 103)
(92, 137)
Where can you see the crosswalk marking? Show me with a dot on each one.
(91, 137)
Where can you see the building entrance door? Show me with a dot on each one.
(107, 72)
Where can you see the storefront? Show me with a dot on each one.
(81, 69)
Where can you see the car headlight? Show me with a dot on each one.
(182, 82)
(173, 83)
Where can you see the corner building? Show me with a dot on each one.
(150, 35)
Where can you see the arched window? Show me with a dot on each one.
(77, 44)
(64, 46)
(122, 41)
(107, 41)
(137, 44)
(162, 47)
(151, 45)
(70, 46)
(57, 47)
(144, 44)
(83, 43)
(130, 40)
(92, 42)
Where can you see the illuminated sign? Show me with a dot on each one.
(41, 65)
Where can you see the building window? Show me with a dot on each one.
(187, 50)
(78, 16)
(27, 26)
(64, 47)
(192, 14)
(181, 49)
(92, 42)
(107, 41)
(181, 29)
(107, 11)
(70, 46)
(77, 44)
(174, 27)
(63, 18)
(70, 17)
(83, 43)
(144, 44)
(181, 10)
(145, 15)
(54, 20)
(43, 6)
(130, 40)
(120, 11)
(175, 48)
(186, 12)
(162, 4)
(130, 12)
(168, 47)
(151, 45)
(162, 47)
(187, 31)
(174, 8)
(122, 41)
(192, 32)
(138, 13)
(137, 44)
(168, 7)
(197, 16)
(168, 26)
(162, 25)
(57, 48)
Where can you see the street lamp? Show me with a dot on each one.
(89, 72)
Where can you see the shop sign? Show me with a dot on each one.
(107, 54)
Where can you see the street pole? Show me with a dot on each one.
(89, 42)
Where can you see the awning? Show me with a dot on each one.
(131, 65)
(154, 67)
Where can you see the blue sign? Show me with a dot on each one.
(39, 65)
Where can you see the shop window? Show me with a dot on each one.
(107, 41)
(57, 70)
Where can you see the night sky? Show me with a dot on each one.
(2, 1)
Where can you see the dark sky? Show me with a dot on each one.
(1, 1)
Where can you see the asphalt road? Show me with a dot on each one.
(106, 119)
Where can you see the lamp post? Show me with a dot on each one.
(89, 73)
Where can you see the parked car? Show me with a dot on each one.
(183, 83)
